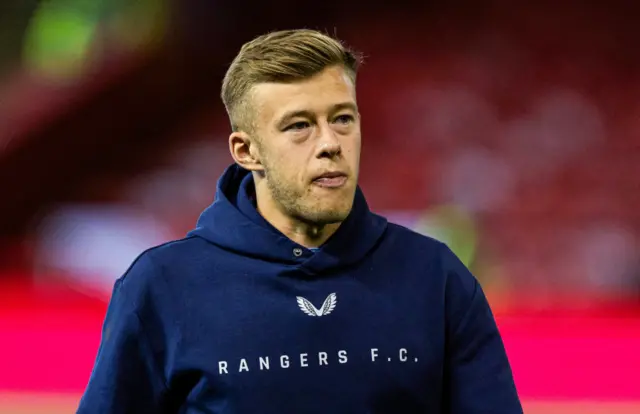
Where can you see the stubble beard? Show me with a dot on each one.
(301, 205)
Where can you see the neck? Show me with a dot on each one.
(306, 234)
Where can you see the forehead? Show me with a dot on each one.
(316, 94)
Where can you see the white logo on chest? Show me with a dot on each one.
(327, 307)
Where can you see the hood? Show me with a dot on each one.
(233, 223)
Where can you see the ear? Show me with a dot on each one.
(245, 151)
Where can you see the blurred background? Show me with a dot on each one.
(509, 130)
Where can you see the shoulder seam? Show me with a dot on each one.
(149, 250)
(145, 253)
(143, 330)
(156, 363)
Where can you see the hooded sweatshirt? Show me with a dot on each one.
(236, 318)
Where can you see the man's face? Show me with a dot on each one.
(308, 135)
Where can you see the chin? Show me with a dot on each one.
(327, 209)
(333, 218)
(332, 214)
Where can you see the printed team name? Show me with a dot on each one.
(265, 363)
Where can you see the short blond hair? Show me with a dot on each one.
(283, 57)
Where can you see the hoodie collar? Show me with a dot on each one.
(232, 222)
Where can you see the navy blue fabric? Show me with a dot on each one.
(237, 318)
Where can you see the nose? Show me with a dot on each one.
(328, 144)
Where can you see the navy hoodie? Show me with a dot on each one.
(237, 318)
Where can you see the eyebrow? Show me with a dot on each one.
(287, 116)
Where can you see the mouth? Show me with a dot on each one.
(332, 179)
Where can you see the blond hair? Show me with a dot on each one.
(282, 57)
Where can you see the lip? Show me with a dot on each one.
(331, 179)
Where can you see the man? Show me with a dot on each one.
(290, 296)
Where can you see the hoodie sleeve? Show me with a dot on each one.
(478, 377)
(126, 377)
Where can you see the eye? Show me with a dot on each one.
(298, 126)
(344, 119)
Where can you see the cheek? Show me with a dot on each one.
(287, 167)
(352, 148)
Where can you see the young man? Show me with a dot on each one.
(290, 296)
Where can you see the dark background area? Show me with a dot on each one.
(509, 130)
